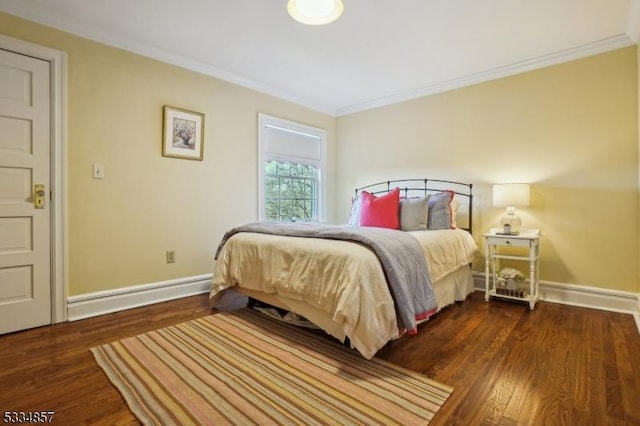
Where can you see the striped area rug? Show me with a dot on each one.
(243, 368)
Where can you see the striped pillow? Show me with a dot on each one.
(440, 211)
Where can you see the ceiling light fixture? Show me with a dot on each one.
(315, 12)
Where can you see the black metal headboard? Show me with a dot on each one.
(420, 187)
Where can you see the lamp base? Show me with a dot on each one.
(513, 221)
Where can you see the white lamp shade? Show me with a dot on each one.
(511, 195)
(315, 12)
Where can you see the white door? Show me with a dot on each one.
(25, 276)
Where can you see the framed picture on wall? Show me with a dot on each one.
(183, 135)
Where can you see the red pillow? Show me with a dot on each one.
(381, 212)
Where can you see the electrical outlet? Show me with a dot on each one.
(171, 256)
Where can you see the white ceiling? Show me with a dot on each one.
(379, 52)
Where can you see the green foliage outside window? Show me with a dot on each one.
(290, 191)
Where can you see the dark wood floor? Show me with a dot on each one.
(508, 365)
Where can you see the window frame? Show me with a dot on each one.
(267, 121)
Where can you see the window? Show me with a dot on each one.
(290, 170)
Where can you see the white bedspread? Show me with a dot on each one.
(446, 250)
(343, 279)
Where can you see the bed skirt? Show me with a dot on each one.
(453, 287)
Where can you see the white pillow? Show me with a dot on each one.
(454, 205)
(354, 212)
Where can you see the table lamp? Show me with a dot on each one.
(511, 195)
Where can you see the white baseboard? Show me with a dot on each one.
(583, 296)
(104, 302)
(108, 301)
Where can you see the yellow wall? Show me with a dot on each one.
(119, 228)
(570, 130)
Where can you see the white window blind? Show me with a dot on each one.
(289, 145)
(290, 170)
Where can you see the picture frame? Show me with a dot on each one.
(183, 134)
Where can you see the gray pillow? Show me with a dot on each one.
(413, 213)
(440, 210)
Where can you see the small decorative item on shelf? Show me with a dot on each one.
(507, 282)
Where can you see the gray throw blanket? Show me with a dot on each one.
(400, 254)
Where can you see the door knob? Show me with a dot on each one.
(38, 196)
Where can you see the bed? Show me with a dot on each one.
(336, 278)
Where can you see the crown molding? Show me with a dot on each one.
(51, 20)
(40, 16)
(605, 45)
(633, 20)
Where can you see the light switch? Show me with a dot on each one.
(98, 171)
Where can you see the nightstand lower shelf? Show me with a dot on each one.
(531, 299)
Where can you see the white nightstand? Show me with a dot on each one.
(528, 239)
